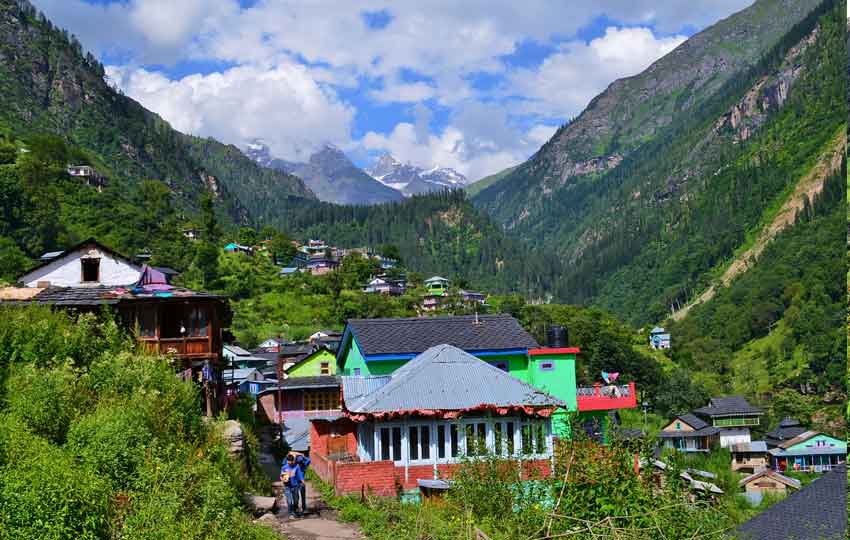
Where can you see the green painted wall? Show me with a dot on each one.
(312, 365)
(560, 381)
(814, 440)
(353, 359)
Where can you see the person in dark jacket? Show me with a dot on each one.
(303, 462)
(292, 479)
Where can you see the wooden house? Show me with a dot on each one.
(166, 319)
(688, 433)
(811, 451)
(749, 457)
(766, 481)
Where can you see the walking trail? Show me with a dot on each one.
(319, 523)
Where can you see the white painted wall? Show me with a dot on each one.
(67, 271)
(732, 436)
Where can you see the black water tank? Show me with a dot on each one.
(557, 336)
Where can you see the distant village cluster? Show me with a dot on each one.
(393, 404)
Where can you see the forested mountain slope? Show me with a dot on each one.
(49, 85)
(643, 209)
(438, 233)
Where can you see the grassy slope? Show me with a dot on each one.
(476, 187)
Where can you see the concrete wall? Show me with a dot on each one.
(67, 271)
(730, 436)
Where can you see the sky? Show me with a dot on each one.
(476, 85)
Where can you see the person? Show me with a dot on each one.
(303, 462)
(292, 478)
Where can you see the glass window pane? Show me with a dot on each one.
(526, 439)
(441, 442)
(470, 440)
(413, 442)
(454, 442)
(426, 442)
(385, 443)
(481, 441)
(497, 438)
(510, 437)
(540, 443)
(396, 444)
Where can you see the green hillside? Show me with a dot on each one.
(478, 186)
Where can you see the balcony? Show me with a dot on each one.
(188, 347)
(603, 398)
(738, 421)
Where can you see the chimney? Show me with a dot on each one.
(557, 337)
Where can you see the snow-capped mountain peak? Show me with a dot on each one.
(410, 179)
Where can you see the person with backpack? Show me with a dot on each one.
(303, 462)
(292, 479)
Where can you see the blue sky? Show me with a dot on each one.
(475, 85)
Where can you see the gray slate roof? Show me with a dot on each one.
(415, 335)
(788, 429)
(728, 406)
(443, 378)
(753, 447)
(701, 429)
(816, 512)
(100, 295)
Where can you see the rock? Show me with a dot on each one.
(260, 504)
(233, 436)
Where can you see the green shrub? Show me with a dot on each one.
(112, 440)
(44, 399)
(44, 493)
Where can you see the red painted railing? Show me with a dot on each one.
(601, 398)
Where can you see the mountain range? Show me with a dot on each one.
(335, 178)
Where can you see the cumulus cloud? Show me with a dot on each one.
(282, 105)
(568, 79)
(292, 59)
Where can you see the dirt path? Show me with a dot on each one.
(808, 186)
(320, 521)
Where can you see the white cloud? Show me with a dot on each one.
(282, 105)
(292, 57)
(568, 79)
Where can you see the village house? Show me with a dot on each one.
(749, 457)
(437, 285)
(815, 512)
(235, 356)
(733, 415)
(89, 175)
(321, 265)
(418, 422)
(185, 324)
(659, 338)
(245, 381)
(811, 451)
(385, 285)
(373, 347)
(271, 345)
(297, 399)
(687, 433)
(787, 429)
(766, 481)
(471, 297)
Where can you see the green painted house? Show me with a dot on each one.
(372, 347)
(320, 362)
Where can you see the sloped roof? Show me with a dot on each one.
(789, 422)
(701, 429)
(728, 406)
(752, 447)
(58, 255)
(416, 334)
(790, 482)
(802, 437)
(237, 374)
(444, 378)
(693, 421)
(788, 429)
(237, 350)
(100, 295)
(816, 512)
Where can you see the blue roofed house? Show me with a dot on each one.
(659, 338)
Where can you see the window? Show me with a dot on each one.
(441, 442)
(501, 364)
(321, 401)
(503, 438)
(453, 432)
(325, 368)
(476, 439)
(147, 322)
(678, 425)
(197, 317)
(357, 372)
(390, 443)
(533, 438)
(91, 270)
(547, 366)
(419, 443)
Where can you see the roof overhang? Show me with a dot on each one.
(553, 350)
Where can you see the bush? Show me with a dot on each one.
(44, 399)
(112, 441)
(44, 493)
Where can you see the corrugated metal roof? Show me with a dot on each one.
(444, 378)
(753, 447)
(237, 350)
